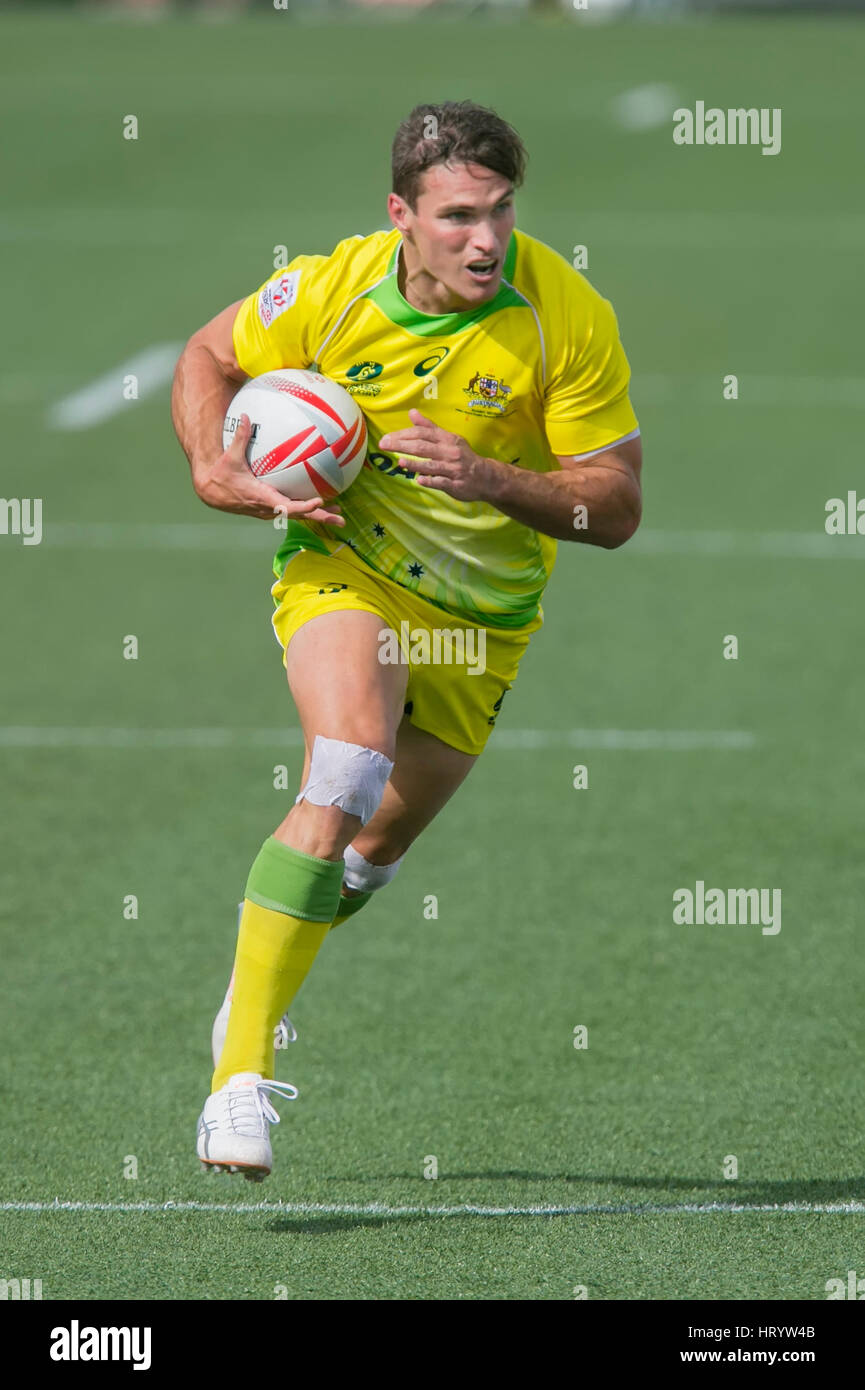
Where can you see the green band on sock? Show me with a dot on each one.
(349, 906)
(287, 880)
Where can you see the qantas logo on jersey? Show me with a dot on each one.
(277, 296)
(385, 464)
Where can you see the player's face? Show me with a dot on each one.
(456, 235)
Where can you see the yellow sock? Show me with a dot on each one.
(274, 955)
(275, 950)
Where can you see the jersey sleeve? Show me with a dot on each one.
(277, 326)
(586, 403)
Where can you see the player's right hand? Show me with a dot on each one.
(230, 486)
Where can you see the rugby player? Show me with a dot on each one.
(495, 390)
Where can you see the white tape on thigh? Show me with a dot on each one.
(365, 877)
(346, 775)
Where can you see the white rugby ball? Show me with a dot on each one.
(308, 435)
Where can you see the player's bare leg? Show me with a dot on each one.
(342, 691)
(350, 705)
(426, 774)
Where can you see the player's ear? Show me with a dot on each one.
(398, 211)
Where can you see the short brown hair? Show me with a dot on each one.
(453, 132)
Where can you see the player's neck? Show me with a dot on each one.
(421, 290)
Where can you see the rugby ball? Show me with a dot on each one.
(308, 435)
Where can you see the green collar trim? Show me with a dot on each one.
(396, 307)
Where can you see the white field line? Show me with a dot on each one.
(757, 545)
(626, 740)
(668, 228)
(163, 535)
(791, 389)
(104, 398)
(249, 536)
(463, 1209)
(616, 740)
(675, 228)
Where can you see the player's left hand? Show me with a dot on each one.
(442, 460)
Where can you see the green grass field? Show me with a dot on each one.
(450, 1037)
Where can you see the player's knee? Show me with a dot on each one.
(346, 775)
(363, 877)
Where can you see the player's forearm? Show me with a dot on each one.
(200, 396)
(597, 504)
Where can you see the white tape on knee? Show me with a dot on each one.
(346, 775)
(365, 877)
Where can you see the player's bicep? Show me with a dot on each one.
(216, 337)
(622, 456)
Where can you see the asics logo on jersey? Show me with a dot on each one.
(431, 361)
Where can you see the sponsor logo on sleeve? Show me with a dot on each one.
(277, 296)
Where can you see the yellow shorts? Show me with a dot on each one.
(458, 673)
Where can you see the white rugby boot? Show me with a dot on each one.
(233, 1128)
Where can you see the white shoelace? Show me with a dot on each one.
(285, 1033)
(238, 1101)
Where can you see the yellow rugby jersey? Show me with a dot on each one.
(537, 371)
